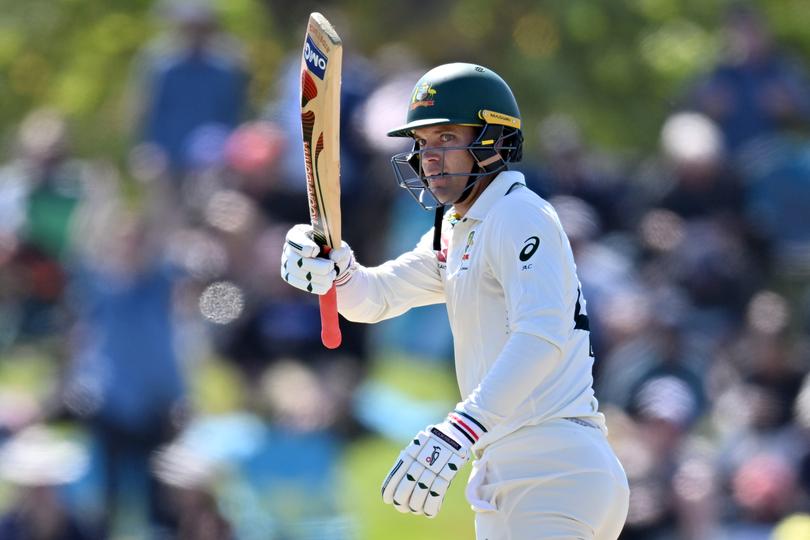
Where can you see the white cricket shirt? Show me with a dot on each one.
(507, 275)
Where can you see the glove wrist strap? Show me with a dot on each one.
(466, 427)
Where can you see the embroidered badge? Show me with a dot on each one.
(466, 255)
(423, 96)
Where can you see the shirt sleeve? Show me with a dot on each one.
(529, 255)
(524, 361)
(382, 292)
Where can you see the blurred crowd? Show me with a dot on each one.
(130, 279)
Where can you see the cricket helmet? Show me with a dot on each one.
(467, 95)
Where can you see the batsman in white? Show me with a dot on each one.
(498, 258)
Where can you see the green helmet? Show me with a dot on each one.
(465, 94)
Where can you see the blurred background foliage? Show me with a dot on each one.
(612, 66)
(618, 68)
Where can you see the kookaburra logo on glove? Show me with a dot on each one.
(434, 456)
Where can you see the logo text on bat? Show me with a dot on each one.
(316, 60)
(314, 212)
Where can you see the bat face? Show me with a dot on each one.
(320, 123)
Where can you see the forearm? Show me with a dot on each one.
(358, 300)
(375, 294)
(524, 361)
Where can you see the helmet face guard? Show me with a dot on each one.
(494, 147)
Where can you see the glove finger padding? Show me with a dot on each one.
(313, 275)
(316, 265)
(402, 495)
(420, 491)
(310, 286)
(300, 238)
(396, 474)
(435, 498)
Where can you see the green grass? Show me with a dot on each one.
(215, 387)
(27, 369)
(368, 460)
(365, 465)
(428, 380)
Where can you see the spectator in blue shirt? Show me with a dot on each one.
(194, 79)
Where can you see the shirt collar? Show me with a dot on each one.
(493, 193)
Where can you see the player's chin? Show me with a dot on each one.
(442, 194)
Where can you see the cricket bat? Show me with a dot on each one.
(320, 127)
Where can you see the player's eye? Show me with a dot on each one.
(447, 137)
(421, 143)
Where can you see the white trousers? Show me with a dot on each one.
(559, 480)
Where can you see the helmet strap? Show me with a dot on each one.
(437, 228)
(472, 179)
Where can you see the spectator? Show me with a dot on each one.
(571, 168)
(663, 408)
(193, 79)
(125, 380)
(703, 185)
(40, 193)
(761, 448)
(756, 89)
(777, 202)
(39, 465)
(189, 479)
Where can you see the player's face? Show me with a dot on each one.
(437, 162)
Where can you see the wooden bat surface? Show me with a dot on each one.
(320, 125)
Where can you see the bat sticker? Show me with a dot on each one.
(316, 60)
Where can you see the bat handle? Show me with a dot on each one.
(330, 328)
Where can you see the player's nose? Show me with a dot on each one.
(430, 155)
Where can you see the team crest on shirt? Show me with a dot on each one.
(465, 256)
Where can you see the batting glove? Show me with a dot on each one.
(419, 479)
(302, 268)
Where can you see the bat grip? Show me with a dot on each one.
(330, 328)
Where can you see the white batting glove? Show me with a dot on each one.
(418, 481)
(302, 268)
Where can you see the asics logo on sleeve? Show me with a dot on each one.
(530, 246)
